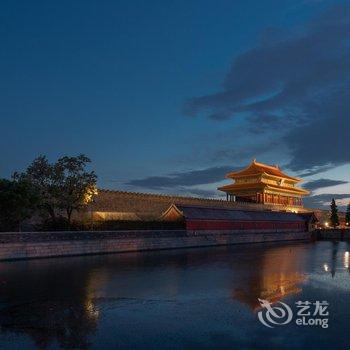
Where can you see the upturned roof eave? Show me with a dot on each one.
(253, 165)
(240, 175)
(291, 189)
(261, 185)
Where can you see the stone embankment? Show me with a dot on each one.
(59, 244)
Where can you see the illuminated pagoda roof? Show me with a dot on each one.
(256, 168)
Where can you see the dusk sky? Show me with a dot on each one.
(168, 96)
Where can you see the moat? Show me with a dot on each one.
(205, 298)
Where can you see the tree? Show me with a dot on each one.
(347, 215)
(18, 202)
(63, 186)
(45, 178)
(77, 186)
(334, 214)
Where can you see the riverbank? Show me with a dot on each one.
(15, 246)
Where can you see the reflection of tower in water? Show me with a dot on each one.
(276, 274)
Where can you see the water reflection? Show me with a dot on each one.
(66, 302)
(339, 259)
(278, 273)
(346, 260)
(334, 257)
(50, 304)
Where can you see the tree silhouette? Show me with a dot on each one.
(18, 201)
(63, 186)
(334, 214)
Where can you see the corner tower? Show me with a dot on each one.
(266, 184)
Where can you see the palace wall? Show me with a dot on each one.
(109, 204)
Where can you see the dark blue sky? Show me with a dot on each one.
(167, 96)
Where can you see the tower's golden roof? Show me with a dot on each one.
(256, 168)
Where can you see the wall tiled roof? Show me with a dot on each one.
(210, 213)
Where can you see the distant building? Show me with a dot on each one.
(265, 184)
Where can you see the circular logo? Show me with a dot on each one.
(274, 315)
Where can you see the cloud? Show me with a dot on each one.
(316, 170)
(321, 183)
(189, 178)
(296, 84)
(323, 201)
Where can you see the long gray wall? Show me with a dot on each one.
(53, 244)
(152, 206)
